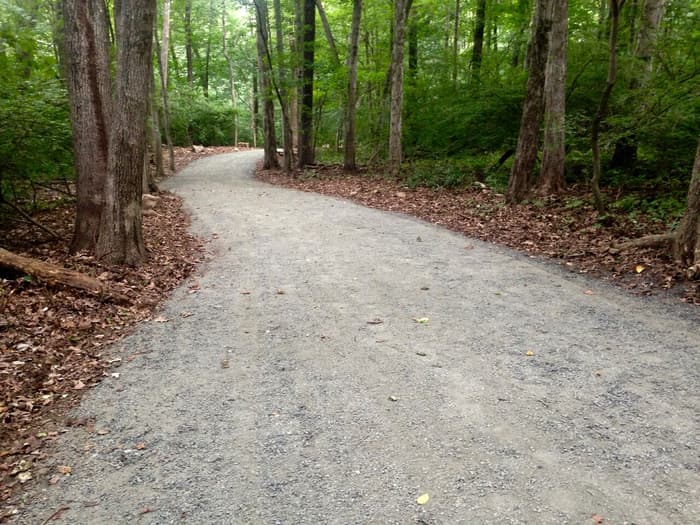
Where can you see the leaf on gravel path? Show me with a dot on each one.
(597, 519)
(161, 319)
(639, 268)
(185, 315)
(64, 469)
(423, 499)
(23, 477)
(375, 321)
(588, 292)
(421, 320)
(280, 291)
(393, 398)
(78, 385)
(140, 446)
(529, 353)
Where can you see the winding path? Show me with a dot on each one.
(337, 362)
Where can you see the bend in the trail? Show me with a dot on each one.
(337, 362)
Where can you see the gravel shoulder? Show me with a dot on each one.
(336, 362)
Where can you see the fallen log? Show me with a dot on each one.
(649, 241)
(53, 276)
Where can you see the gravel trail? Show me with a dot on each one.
(337, 362)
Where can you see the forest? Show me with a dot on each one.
(528, 97)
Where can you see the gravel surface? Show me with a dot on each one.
(338, 362)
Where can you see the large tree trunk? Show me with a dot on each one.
(265, 77)
(306, 135)
(350, 160)
(689, 229)
(477, 50)
(87, 69)
(533, 108)
(401, 9)
(553, 153)
(121, 238)
(615, 7)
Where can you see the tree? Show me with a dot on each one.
(533, 107)
(349, 161)
(282, 90)
(615, 7)
(479, 25)
(87, 70)
(120, 239)
(306, 119)
(265, 79)
(401, 9)
(551, 178)
(231, 72)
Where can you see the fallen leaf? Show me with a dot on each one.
(423, 499)
(639, 268)
(225, 363)
(597, 519)
(280, 291)
(54, 479)
(529, 353)
(422, 354)
(161, 319)
(78, 385)
(421, 320)
(64, 469)
(145, 510)
(375, 321)
(185, 315)
(588, 292)
(424, 288)
(245, 293)
(469, 247)
(140, 445)
(393, 398)
(115, 375)
(103, 431)
(23, 477)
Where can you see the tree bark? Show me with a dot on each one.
(401, 9)
(477, 50)
(265, 78)
(350, 153)
(648, 32)
(120, 239)
(689, 229)
(87, 69)
(306, 135)
(615, 7)
(165, 115)
(533, 107)
(551, 180)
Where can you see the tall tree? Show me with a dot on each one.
(533, 107)
(349, 143)
(401, 10)
(551, 178)
(615, 7)
(188, 42)
(455, 44)
(283, 90)
(120, 239)
(265, 80)
(163, 64)
(231, 71)
(87, 61)
(306, 130)
(477, 50)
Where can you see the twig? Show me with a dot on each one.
(56, 514)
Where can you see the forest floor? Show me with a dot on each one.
(52, 340)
